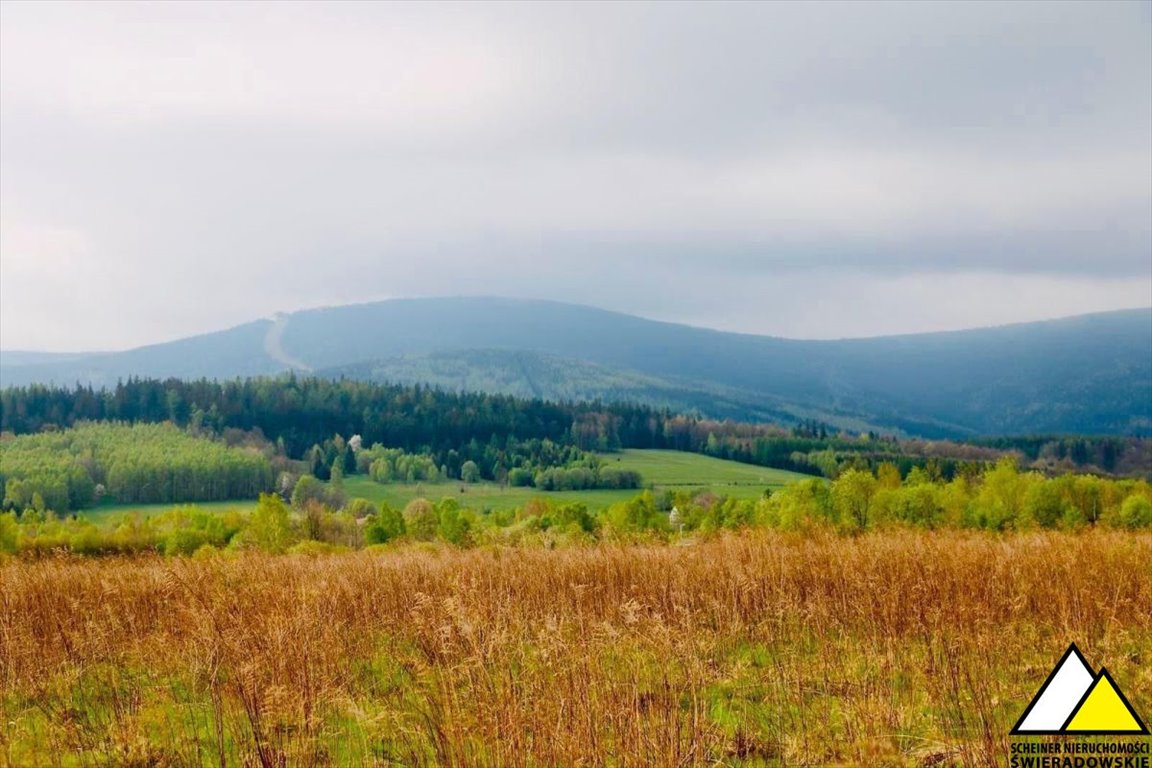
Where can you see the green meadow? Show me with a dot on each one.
(676, 468)
(110, 513)
(662, 470)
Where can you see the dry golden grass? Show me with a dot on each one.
(759, 649)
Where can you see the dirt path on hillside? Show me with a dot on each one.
(274, 347)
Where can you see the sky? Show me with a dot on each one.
(817, 170)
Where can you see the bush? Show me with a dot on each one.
(1135, 512)
(454, 525)
(185, 541)
(269, 527)
(309, 489)
(360, 508)
(421, 519)
(387, 525)
(9, 532)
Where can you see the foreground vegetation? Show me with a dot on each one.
(900, 648)
(322, 518)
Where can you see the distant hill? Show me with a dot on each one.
(551, 377)
(17, 357)
(235, 352)
(1086, 374)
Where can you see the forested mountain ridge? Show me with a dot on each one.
(563, 379)
(1086, 374)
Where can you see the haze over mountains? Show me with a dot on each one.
(1090, 374)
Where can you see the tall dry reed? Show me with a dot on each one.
(760, 649)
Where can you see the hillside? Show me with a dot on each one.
(234, 352)
(19, 357)
(1087, 374)
(551, 377)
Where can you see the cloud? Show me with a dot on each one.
(135, 64)
(221, 161)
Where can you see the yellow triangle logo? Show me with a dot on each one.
(1076, 700)
(1104, 710)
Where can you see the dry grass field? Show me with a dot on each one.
(893, 648)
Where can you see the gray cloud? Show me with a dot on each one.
(174, 168)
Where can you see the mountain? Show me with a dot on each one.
(17, 357)
(551, 377)
(235, 352)
(1086, 374)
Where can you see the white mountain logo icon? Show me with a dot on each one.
(1076, 701)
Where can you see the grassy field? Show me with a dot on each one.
(664, 469)
(674, 468)
(671, 470)
(111, 513)
(893, 649)
(478, 496)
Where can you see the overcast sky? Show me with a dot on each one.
(816, 170)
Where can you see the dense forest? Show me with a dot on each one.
(77, 467)
(140, 463)
(304, 418)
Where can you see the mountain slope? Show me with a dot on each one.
(1088, 374)
(551, 377)
(235, 352)
(1091, 373)
(18, 357)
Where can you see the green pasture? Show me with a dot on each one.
(662, 470)
(477, 496)
(106, 513)
(676, 468)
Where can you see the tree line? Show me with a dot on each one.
(538, 464)
(301, 414)
(138, 463)
(1003, 498)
